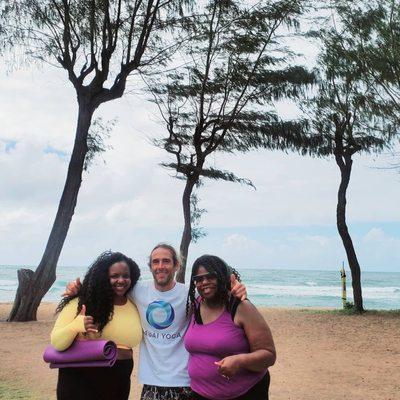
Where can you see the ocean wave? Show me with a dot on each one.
(11, 289)
(8, 282)
(325, 291)
(60, 283)
(284, 288)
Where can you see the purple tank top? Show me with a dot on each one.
(212, 342)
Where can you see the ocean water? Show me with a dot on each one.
(267, 287)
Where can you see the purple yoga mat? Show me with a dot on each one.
(83, 353)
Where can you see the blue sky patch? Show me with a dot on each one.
(10, 145)
(51, 150)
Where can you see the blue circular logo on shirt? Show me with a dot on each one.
(160, 314)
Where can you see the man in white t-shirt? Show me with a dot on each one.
(162, 306)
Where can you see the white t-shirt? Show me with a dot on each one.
(163, 357)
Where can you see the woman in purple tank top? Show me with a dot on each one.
(229, 343)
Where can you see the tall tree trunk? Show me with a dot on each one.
(345, 164)
(187, 230)
(34, 285)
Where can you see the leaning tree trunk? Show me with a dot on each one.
(34, 285)
(187, 230)
(345, 163)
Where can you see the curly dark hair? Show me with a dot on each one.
(96, 291)
(223, 272)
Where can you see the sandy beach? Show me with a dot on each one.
(321, 356)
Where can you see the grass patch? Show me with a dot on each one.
(388, 313)
(351, 311)
(10, 391)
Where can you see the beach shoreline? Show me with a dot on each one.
(322, 355)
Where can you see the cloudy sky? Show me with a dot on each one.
(129, 203)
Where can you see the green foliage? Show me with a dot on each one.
(368, 39)
(366, 313)
(99, 132)
(218, 174)
(236, 66)
(210, 173)
(349, 306)
(98, 42)
(195, 216)
(348, 114)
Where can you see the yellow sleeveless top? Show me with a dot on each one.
(124, 328)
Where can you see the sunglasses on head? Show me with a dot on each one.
(200, 278)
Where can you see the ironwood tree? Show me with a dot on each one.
(370, 39)
(236, 66)
(344, 122)
(99, 43)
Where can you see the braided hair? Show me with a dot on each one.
(223, 273)
(96, 291)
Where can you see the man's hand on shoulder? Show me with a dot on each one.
(72, 288)
(238, 289)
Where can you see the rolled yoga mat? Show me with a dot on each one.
(83, 353)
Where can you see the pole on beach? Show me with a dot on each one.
(343, 276)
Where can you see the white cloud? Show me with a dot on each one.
(131, 201)
(375, 234)
(322, 241)
(378, 248)
(17, 217)
(239, 242)
(377, 240)
(274, 249)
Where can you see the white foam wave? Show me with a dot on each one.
(388, 292)
(7, 282)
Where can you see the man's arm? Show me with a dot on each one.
(72, 288)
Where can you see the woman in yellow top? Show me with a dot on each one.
(100, 310)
